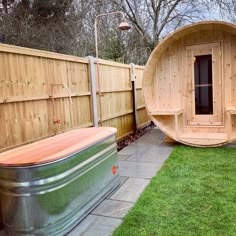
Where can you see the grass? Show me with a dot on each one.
(193, 194)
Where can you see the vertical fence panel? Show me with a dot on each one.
(43, 94)
(143, 117)
(116, 96)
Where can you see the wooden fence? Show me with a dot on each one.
(44, 93)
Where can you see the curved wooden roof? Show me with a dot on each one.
(55, 148)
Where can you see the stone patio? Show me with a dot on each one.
(138, 163)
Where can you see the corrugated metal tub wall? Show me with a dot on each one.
(47, 187)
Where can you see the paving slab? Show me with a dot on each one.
(138, 169)
(155, 133)
(129, 150)
(123, 179)
(151, 154)
(112, 208)
(147, 141)
(94, 225)
(122, 157)
(130, 190)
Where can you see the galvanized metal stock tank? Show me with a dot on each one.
(51, 198)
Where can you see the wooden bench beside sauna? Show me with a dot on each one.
(47, 187)
(189, 84)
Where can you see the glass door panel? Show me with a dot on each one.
(203, 85)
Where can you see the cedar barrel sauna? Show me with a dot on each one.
(190, 84)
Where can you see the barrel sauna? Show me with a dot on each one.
(189, 84)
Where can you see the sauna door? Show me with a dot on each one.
(204, 85)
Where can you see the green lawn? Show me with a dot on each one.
(193, 194)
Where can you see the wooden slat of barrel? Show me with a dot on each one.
(54, 148)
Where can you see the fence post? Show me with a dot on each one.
(134, 95)
(93, 90)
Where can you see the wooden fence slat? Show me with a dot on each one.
(44, 93)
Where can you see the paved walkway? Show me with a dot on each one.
(138, 163)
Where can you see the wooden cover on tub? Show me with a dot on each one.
(54, 148)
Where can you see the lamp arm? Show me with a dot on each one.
(110, 13)
(95, 26)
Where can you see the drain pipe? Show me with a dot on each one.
(93, 90)
(134, 95)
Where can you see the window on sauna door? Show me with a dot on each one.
(203, 85)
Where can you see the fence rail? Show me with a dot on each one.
(44, 93)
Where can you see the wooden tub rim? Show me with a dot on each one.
(57, 156)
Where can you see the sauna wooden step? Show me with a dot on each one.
(167, 112)
(231, 110)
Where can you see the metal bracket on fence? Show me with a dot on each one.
(57, 120)
(93, 90)
(134, 94)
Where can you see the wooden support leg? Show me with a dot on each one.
(168, 139)
(229, 125)
(176, 126)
